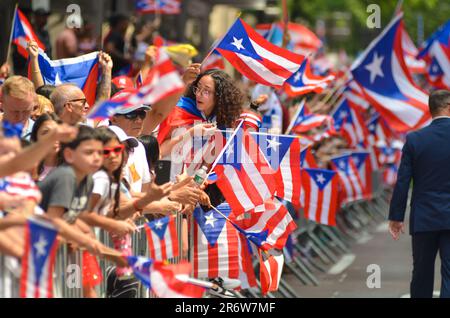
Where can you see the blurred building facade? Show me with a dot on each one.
(200, 21)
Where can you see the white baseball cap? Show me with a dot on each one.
(122, 136)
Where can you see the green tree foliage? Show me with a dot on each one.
(434, 14)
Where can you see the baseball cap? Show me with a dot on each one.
(127, 109)
(123, 82)
(123, 137)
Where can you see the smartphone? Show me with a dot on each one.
(162, 171)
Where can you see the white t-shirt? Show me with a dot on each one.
(106, 191)
(136, 171)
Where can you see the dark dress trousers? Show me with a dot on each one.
(426, 162)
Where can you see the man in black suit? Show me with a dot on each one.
(426, 162)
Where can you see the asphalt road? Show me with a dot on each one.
(393, 258)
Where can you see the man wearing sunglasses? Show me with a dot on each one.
(70, 104)
(136, 170)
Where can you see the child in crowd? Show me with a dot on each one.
(41, 127)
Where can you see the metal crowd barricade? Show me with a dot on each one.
(9, 278)
(317, 247)
(67, 277)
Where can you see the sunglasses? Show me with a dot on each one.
(82, 100)
(134, 115)
(117, 150)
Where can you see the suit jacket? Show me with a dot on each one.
(425, 161)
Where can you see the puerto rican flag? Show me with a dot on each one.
(162, 81)
(386, 82)
(213, 61)
(363, 164)
(390, 174)
(36, 280)
(389, 155)
(256, 58)
(82, 71)
(162, 238)
(267, 226)
(271, 268)
(436, 54)
(21, 184)
(350, 181)
(172, 281)
(414, 65)
(307, 159)
(158, 6)
(304, 81)
(141, 268)
(380, 134)
(184, 113)
(303, 121)
(244, 176)
(246, 269)
(349, 122)
(22, 33)
(250, 120)
(302, 39)
(373, 153)
(215, 251)
(355, 97)
(283, 155)
(321, 195)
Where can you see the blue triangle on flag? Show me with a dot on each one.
(159, 226)
(342, 163)
(273, 147)
(42, 239)
(141, 268)
(435, 69)
(296, 79)
(374, 70)
(342, 113)
(359, 158)
(303, 156)
(372, 124)
(212, 223)
(321, 176)
(238, 41)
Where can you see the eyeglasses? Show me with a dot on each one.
(117, 150)
(198, 90)
(134, 115)
(83, 100)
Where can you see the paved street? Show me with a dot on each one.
(394, 259)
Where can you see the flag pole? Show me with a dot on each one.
(12, 31)
(227, 144)
(101, 24)
(232, 223)
(285, 22)
(299, 109)
(398, 7)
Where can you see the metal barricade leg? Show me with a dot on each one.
(326, 251)
(311, 260)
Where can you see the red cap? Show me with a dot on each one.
(123, 82)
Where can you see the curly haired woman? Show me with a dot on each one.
(212, 98)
